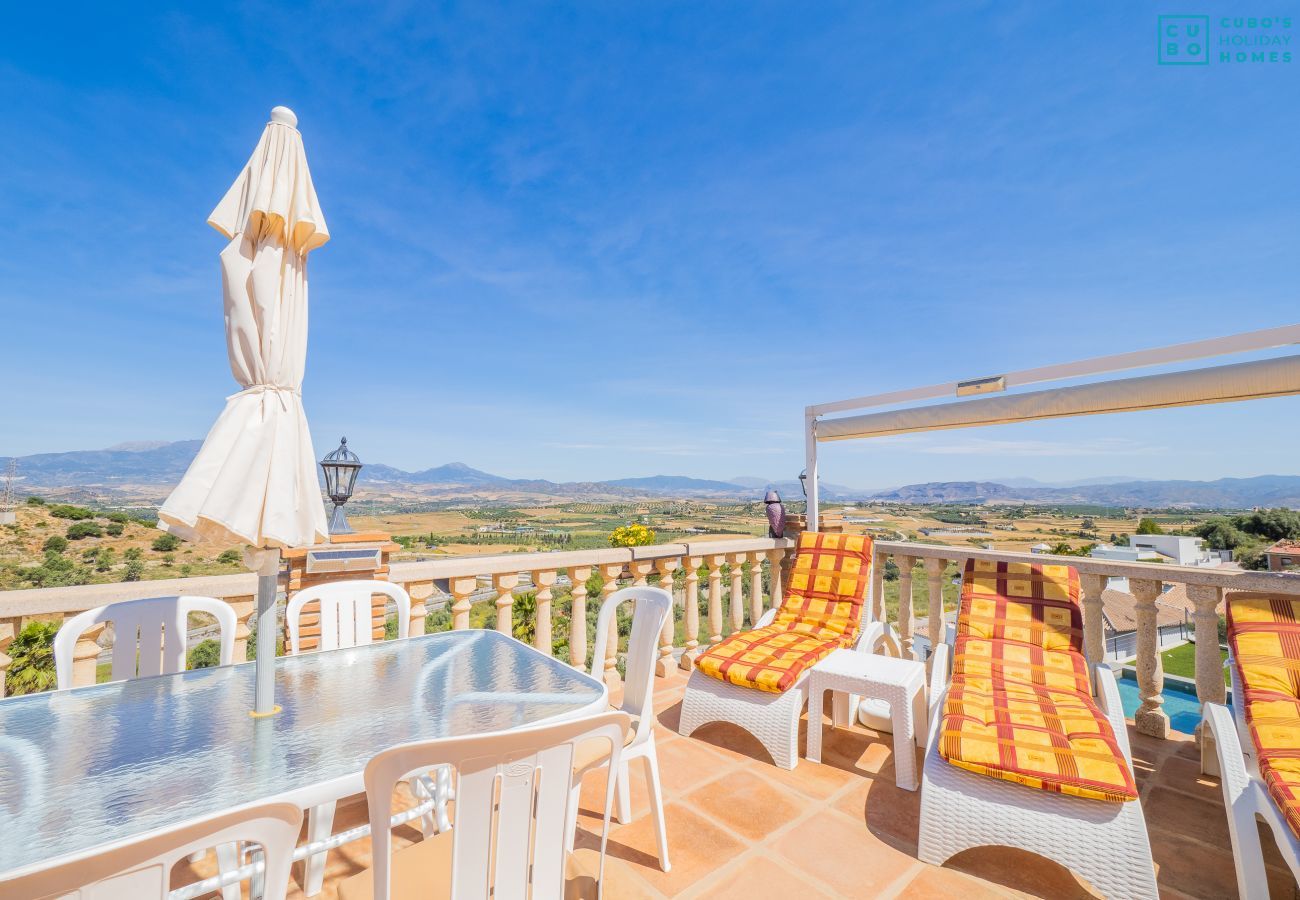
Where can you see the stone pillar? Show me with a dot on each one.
(504, 584)
(715, 597)
(775, 577)
(1149, 719)
(737, 603)
(8, 631)
(905, 564)
(691, 613)
(1209, 664)
(664, 664)
(934, 569)
(878, 561)
(610, 573)
(755, 589)
(85, 656)
(420, 592)
(542, 634)
(245, 610)
(1094, 632)
(578, 576)
(461, 589)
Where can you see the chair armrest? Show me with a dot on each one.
(871, 636)
(1112, 707)
(1243, 798)
(938, 680)
(766, 618)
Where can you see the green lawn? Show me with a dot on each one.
(1181, 661)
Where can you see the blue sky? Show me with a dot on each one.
(607, 240)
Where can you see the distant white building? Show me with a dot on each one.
(1173, 549)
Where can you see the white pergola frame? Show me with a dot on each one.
(1265, 339)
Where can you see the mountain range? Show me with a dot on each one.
(159, 465)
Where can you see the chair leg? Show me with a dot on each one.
(424, 790)
(320, 825)
(623, 792)
(571, 820)
(444, 792)
(657, 806)
(228, 861)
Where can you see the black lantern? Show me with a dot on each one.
(340, 468)
(803, 482)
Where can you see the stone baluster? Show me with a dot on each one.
(691, 613)
(578, 576)
(420, 592)
(245, 611)
(543, 581)
(905, 564)
(715, 597)
(664, 664)
(504, 584)
(934, 569)
(85, 656)
(1209, 663)
(461, 589)
(1094, 634)
(878, 586)
(8, 631)
(755, 589)
(737, 602)
(611, 573)
(776, 583)
(1150, 719)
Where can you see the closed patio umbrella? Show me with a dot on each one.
(254, 479)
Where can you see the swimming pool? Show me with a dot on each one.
(1181, 705)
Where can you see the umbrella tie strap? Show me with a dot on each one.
(278, 389)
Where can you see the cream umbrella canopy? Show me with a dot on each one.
(254, 479)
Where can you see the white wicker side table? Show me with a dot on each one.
(898, 682)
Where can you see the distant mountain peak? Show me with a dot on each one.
(137, 446)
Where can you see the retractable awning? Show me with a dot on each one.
(1219, 384)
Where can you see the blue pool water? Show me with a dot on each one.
(1180, 704)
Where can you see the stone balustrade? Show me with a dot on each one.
(732, 574)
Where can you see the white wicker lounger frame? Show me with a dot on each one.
(1245, 797)
(772, 718)
(1106, 843)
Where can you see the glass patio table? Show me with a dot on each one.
(90, 766)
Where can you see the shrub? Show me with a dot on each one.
(104, 559)
(78, 530)
(165, 543)
(55, 570)
(229, 557)
(117, 516)
(114, 529)
(35, 501)
(133, 554)
(67, 511)
(169, 559)
(634, 535)
(134, 570)
(32, 651)
(55, 543)
(204, 655)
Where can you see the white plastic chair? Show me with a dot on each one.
(653, 607)
(346, 620)
(140, 867)
(345, 612)
(512, 801)
(149, 636)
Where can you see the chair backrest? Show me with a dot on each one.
(830, 583)
(653, 606)
(149, 635)
(345, 612)
(139, 868)
(513, 791)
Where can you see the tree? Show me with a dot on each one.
(228, 557)
(67, 511)
(1149, 526)
(204, 655)
(134, 570)
(35, 501)
(32, 652)
(79, 530)
(115, 529)
(165, 543)
(117, 516)
(55, 543)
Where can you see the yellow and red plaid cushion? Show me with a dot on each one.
(1020, 706)
(820, 613)
(1264, 634)
(1053, 740)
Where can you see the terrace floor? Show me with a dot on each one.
(741, 828)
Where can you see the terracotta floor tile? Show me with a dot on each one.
(734, 742)
(839, 852)
(1019, 870)
(619, 880)
(1192, 867)
(1186, 814)
(1185, 775)
(686, 763)
(697, 847)
(748, 806)
(936, 883)
(887, 811)
(763, 879)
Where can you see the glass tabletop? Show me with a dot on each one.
(85, 767)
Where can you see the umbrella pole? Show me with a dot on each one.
(268, 585)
